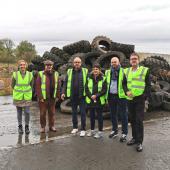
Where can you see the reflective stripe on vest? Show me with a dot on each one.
(22, 89)
(90, 87)
(43, 84)
(121, 92)
(136, 80)
(69, 81)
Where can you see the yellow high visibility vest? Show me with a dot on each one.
(22, 89)
(43, 84)
(136, 80)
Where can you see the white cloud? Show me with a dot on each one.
(76, 19)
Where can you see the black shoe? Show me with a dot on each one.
(123, 138)
(20, 129)
(139, 147)
(27, 131)
(131, 142)
(113, 134)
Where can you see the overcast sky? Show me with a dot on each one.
(53, 20)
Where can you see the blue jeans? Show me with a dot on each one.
(99, 117)
(118, 106)
(82, 104)
(27, 114)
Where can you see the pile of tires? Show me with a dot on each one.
(160, 78)
(127, 49)
(59, 52)
(101, 50)
(101, 44)
(82, 46)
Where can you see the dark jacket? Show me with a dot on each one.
(50, 85)
(124, 82)
(95, 90)
(147, 90)
(77, 87)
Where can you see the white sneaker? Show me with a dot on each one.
(123, 138)
(82, 133)
(74, 131)
(91, 133)
(98, 135)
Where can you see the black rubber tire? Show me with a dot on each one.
(166, 105)
(57, 65)
(59, 52)
(106, 115)
(153, 64)
(125, 63)
(37, 60)
(163, 75)
(90, 59)
(155, 87)
(54, 50)
(160, 58)
(127, 49)
(82, 46)
(65, 106)
(31, 67)
(105, 59)
(165, 86)
(49, 56)
(156, 99)
(63, 69)
(101, 44)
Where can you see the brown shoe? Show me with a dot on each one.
(42, 130)
(52, 129)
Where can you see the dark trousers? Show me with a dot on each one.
(99, 117)
(118, 106)
(75, 102)
(136, 115)
(47, 105)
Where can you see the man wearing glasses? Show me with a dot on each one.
(138, 90)
(74, 88)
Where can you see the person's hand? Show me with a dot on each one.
(129, 94)
(62, 96)
(93, 97)
(41, 100)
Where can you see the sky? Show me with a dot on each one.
(127, 21)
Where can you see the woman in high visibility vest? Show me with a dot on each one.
(22, 81)
(96, 88)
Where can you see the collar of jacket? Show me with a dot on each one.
(115, 69)
(45, 72)
(99, 77)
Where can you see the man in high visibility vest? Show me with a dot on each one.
(47, 89)
(74, 88)
(116, 98)
(138, 89)
(22, 82)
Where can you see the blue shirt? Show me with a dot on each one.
(113, 87)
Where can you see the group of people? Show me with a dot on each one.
(124, 90)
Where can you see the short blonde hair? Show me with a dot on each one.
(20, 61)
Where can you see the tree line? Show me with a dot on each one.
(9, 53)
